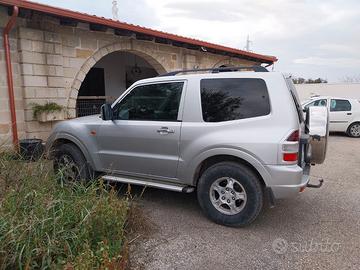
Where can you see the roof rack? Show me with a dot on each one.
(217, 70)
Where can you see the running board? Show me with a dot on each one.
(149, 183)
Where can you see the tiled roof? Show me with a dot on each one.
(83, 17)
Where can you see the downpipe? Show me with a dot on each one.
(9, 73)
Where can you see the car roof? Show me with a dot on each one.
(232, 74)
(327, 97)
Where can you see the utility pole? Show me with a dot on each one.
(115, 10)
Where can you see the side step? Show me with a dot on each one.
(149, 183)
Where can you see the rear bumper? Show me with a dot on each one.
(288, 181)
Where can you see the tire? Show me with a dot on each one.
(354, 130)
(244, 206)
(71, 165)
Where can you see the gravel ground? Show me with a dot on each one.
(320, 229)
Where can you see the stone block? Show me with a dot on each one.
(16, 68)
(29, 102)
(35, 126)
(68, 82)
(81, 53)
(25, 45)
(46, 93)
(5, 117)
(32, 57)
(54, 59)
(18, 93)
(40, 70)
(56, 82)
(52, 37)
(34, 80)
(4, 104)
(44, 47)
(44, 135)
(4, 128)
(57, 71)
(88, 42)
(69, 51)
(71, 40)
(62, 93)
(71, 113)
(29, 115)
(70, 72)
(72, 103)
(76, 62)
(19, 104)
(27, 69)
(74, 93)
(29, 92)
(32, 34)
(57, 48)
(81, 75)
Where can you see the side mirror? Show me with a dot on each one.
(106, 112)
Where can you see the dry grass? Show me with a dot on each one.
(46, 224)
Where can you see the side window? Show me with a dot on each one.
(231, 99)
(153, 102)
(340, 105)
(319, 102)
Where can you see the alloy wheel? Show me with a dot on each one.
(228, 196)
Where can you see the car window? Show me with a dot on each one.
(340, 105)
(231, 99)
(319, 102)
(153, 102)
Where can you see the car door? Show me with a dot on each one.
(143, 139)
(340, 114)
(318, 102)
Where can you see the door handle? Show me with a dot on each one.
(165, 130)
(349, 113)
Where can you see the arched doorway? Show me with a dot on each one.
(109, 78)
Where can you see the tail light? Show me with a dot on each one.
(290, 148)
(294, 137)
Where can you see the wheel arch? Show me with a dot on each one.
(257, 168)
(67, 139)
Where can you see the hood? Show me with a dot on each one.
(91, 119)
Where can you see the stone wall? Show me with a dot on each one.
(5, 119)
(50, 61)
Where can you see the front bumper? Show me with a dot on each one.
(288, 181)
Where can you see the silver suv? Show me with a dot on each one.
(237, 138)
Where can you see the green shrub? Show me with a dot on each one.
(47, 107)
(44, 224)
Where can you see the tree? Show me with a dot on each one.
(304, 81)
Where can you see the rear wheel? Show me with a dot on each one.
(354, 130)
(70, 164)
(230, 194)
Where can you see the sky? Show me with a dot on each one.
(311, 39)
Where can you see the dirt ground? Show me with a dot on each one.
(319, 229)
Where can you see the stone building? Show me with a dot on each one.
(80, 61)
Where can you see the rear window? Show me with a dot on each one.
(232, 99)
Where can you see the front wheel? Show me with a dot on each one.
(70, 164)
(230, 194)
(354, 130)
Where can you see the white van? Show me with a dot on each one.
(344, 114)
